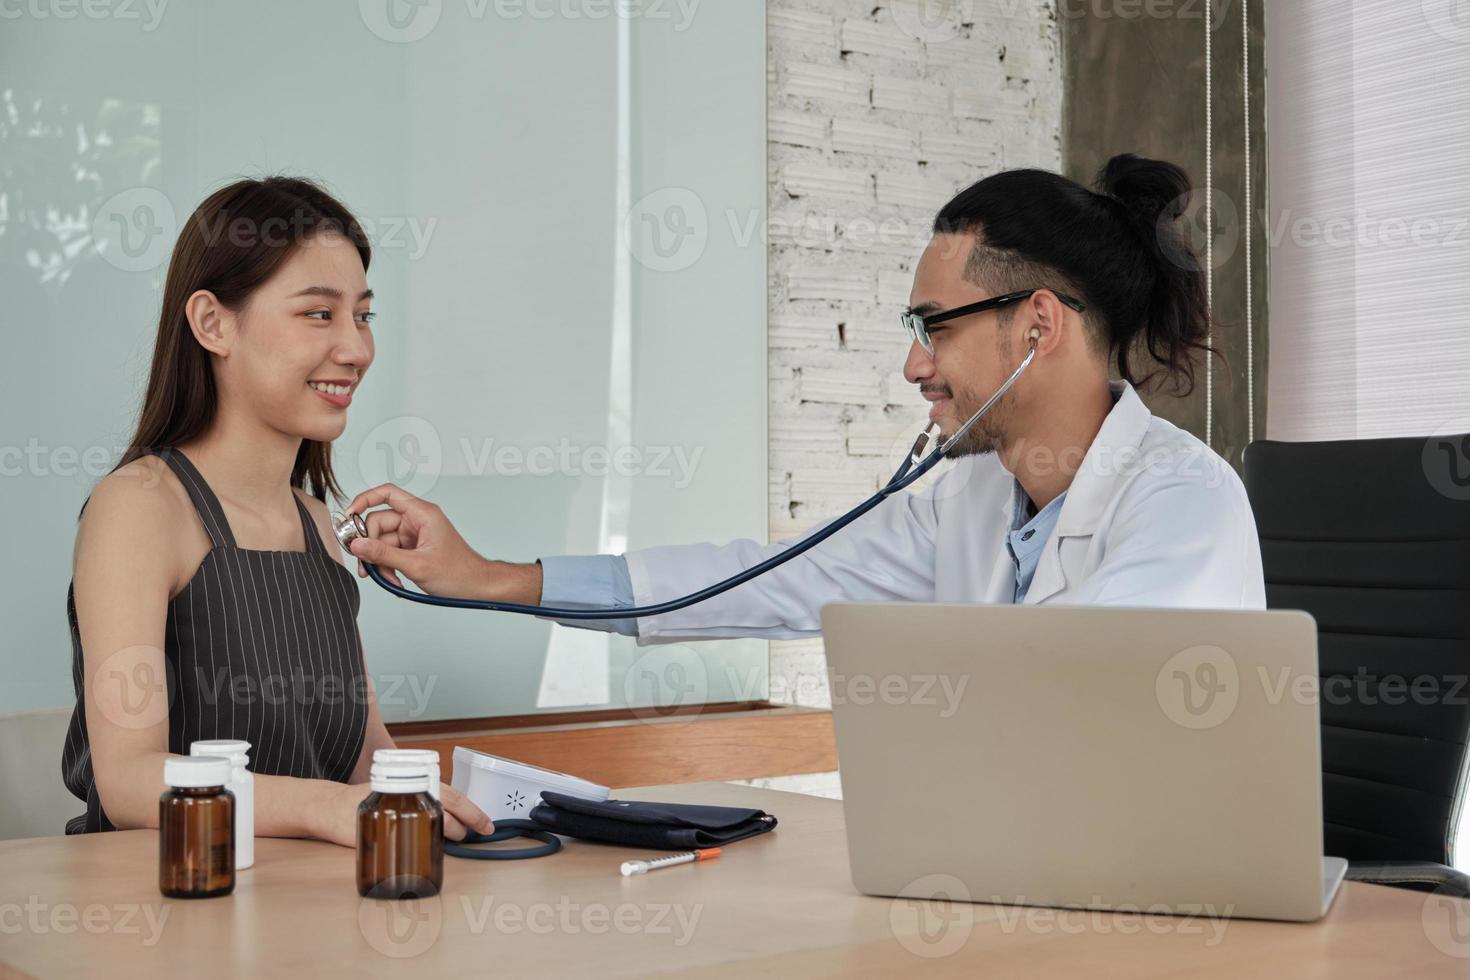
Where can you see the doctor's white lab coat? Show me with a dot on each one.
(1154, 517)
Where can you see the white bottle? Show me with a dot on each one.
(242, 784)
(426, 756)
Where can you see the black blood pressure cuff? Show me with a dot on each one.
(657, 826)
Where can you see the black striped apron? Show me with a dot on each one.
(261, 646)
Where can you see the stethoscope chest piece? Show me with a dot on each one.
(348, 527)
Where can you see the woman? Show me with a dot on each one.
(207, 599)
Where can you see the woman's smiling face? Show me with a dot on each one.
(300, 347)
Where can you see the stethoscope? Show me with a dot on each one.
(352, 526)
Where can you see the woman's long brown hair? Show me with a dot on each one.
(234, 241)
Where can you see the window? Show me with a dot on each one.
(1369, 218)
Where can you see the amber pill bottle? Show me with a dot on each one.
(196, 828)
(400, 834)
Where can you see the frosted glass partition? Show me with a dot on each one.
(571, 337)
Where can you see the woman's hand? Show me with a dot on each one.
(339, 819)
(460, 814)
(415, 538)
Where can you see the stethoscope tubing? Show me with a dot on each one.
(912, 469)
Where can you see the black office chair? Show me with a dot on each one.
(1372, 537)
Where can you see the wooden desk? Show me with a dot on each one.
(779, 905)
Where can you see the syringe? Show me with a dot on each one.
(631, 868)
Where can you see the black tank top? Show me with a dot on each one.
(261, 646)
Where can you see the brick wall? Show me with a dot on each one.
(878, 112)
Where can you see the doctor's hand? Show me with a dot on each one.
(412, 537)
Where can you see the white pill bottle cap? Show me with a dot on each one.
(428, 757)
(195, 771)
(237, 750)
(400, 776)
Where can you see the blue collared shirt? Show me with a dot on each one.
(1028, 536)
(589, 582)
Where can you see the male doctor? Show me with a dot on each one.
(1069, 491)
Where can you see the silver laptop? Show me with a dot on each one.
(1127, 759)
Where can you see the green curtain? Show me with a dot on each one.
(1184, 81)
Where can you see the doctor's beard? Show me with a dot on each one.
(986, 435)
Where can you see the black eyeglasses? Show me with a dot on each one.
(918, 325)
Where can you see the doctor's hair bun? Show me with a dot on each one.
(1149, 189)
